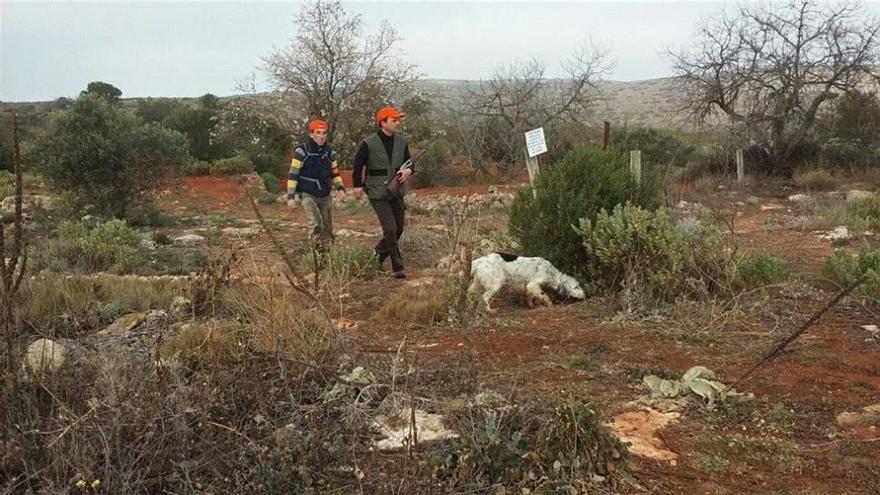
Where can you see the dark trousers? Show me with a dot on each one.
(391, 217)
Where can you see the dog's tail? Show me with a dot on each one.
(508, 257)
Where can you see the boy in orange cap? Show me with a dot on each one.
(380, 157)
(313, 173)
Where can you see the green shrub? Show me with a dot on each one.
(270, 182)
(815, 180)
(759, 269)
(844, 268)
(644, 253)
(433, 169)
(232, 166)
(552, 446)
(578, 187)
(657, 147)
(107, 156)
(197, 168)
(864, 213)
(108, 246)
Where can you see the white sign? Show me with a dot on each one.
(535, 142)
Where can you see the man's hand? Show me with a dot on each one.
(404, 174)
(358, 192)
(293, 202)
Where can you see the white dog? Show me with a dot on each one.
(531, 275)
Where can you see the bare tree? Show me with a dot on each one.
(772, 66)
(520, 97)
(340, 72)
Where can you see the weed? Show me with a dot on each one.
(815, 180)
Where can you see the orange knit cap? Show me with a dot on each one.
(317, 124)
(388, 113)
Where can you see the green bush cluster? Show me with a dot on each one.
(106, 156)
(758, 269)
(864, 213)
(270, 181)
(91, 247)
(554, 446)
(647, 255)
(197, 168)
(584, 183)
(844, 268)
(235, 165)
(657, 147)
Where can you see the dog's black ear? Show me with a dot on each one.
(508, 257)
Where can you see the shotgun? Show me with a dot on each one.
(394, 185)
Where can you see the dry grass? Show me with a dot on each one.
(815, 180)
(279, 320)
(61, 305)
(823, 213)
(424, 305)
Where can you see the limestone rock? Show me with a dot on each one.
(44, 356)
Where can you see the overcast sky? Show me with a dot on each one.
(48, 50)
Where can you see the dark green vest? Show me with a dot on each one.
(379, 168)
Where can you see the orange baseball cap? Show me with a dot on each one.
(388, 113)
(317, 124)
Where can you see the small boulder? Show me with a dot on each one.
(799, 198)
(839, 233)
(44, 356)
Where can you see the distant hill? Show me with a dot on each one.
(651, 102)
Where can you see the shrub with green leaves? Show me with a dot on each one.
(647, 255)
(270, 182)
(107, 246)
(758, 269)
(553, 446)
(579, 186)
(197, 168)
(235, 165)
(864, 213)
(107, 156)
(844, 268)
(657, 147)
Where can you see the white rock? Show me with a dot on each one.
(798, 198)
(189, 239)
(44, 356)
(396, 429)
(839, 233)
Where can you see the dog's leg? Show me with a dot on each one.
(536, 293)
(488, 293)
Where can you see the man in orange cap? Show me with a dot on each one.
(313, 173)
(377, 161)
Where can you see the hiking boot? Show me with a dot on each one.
(380, 261)
(400, 275)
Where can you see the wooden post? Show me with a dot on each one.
(635, 165)
(533, 169)
(740, 166)
(606, 136)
